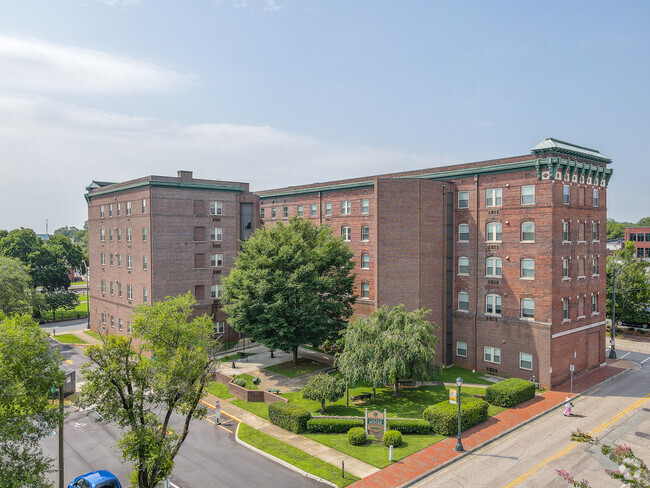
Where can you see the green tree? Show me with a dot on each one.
(141, 394)
(291, 285)
(15, 287)
(29, 368)
(615, 230)
(322, 388)
(399, 344)
(632, 287)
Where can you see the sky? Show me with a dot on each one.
(286, 92)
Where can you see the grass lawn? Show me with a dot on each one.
(94, 334)
(260, 409)
(449, 375)
(76, 313)
(375, 452)
(235, 357)
(304, 366)
(295, 456)
(69, 339)
(219, 390)
(249, 381)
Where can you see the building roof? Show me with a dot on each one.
(98, 184)
(555, 145)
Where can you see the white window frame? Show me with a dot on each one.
(216, 260)
(496, 263)
(103, 287)
(365, 233)
(119, 324)
(144, 263)
(285, 212)
(128, 208)
(328, 209)
(119, 290)
(273, 212)
(119, 209)
(216, 291)
(460, 233)
(494, 232)
(522, 361)
(493, 353)
(145, 295)
(119, 260)
(110, 209)
(459, 349)
(219, 327)
(300, 210)
(463, 199)
(566, 269)
(365, 291)
(346, 232)
(528, 301)
(594, 304)
(103, 259)
(102, 235)
(595, 197)
(216, 234)
(110, 235)
(313, 210)
(595, 231)
(262, 213)
(493, 300)
(522, 237)
(494, 197)
(144, 234)
(129, 261)
(144, 205)
(129, 292)
(119, 235)
(526, 269)
(101, 211)
(365, 257)
(527, 194)
(216, 208)
(463, 262)
(566, 310)
(346, 207)
(129, 234)
(110, 259)
(594, 266)
(365, 206)
(566, 195)
(465, 295)
(566, 231)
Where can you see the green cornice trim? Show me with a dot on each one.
(577, 154)
(162, 184)
(317, 189)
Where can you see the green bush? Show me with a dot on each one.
(392, 438)
(444, 415)
(240, 382)
(289, 417)
(410, 426)
(510, 392)
(333, 426)
(357, 436)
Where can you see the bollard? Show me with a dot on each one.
(390, 452)
(343, 469)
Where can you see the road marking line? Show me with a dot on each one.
(644, 360)
(568, 448)
(626, 354)
(218, 425)
(222, 412)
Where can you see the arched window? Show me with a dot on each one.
(528, 268)
(493, 304)
(528, 231)
(346, 232)
(463, 265)
(493, 267)
(494, 232)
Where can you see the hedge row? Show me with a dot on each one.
(510, 392)
(289, 417)
(410, 426)
(444, 415)
(333, 426)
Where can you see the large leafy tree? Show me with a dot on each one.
(15, 287)
(322, 388)
(142, 395)
(632, 287)
(388, 346)
(29, 368)
(291, 285)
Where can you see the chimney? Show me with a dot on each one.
(185, 175)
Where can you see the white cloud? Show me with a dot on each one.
(29, 65)
(265, 5)
(113, 3)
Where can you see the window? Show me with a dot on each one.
(102, 235)
(216, 234)
(594, 304)
(493, 304)
(527, 308)
(129, 292)
(639, 237)
(119, 235)
(112, 322)
(216, 208)
(463, 199)
(285, 212)
(365, 206)
(581, 268)
(566, 234)
(565, 309)
(633, 236)
(129, 327)
(565, 268)
(110, 210)
(144, 234)
(528, 268)
(129, 234)
(145, 295)
(526, 361)
(492, 354)
(528, 231)
(595, 231)
(119, 324)
(493, 267)
(594, 265)
(119, 209)
(216, 260)
(216, 290)
(313, 210)
(129, 261)
(365, 233)
(101, 211)
(262, 213)
(110, 235)
(128, 212)
(463, 265)
(566, 194)
(365, 290)
(144, 263)
(581, 231)
(346, 232)
(144, 206)
(493, 197)
(581, 307)
(595, 198)
(463, 301)
(103, 287)
(110, 259)
(272, 212)
(103, 318)
(493, 232)
(463, 232)
(461, 349)
(301, 211)
(365, 261)
(219, 327)
(119, 260)
(328, 209)
(528, 194)
(346, 207)
(103, 256)
(112, 288)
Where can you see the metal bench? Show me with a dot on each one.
(363, 396)
(273, 390)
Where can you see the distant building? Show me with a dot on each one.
(641, 238)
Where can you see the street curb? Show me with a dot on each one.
(509, 431)
(280, 461)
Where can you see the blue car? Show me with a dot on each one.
(96, 479)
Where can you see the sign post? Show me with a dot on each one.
(572, 368)
(217, 412)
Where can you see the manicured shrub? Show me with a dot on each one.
(392, 438)
(510, 392)
(289, 417)
(357, 436)
(333, 426)
(240, 382)
(410, 426)
(444, 415)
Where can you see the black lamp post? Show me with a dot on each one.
(459, 444)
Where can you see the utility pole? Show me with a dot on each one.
(61, 477)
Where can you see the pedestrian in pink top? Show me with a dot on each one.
(568, 406)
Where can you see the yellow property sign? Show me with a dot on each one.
(452, 396)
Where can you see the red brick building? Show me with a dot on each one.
(509, 254)
(641, 238)
(159, 236)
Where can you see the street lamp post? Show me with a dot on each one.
(459, 444)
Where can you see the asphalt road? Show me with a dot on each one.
(617, 412)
